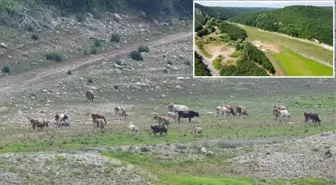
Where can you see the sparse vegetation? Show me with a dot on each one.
(34, 36)
(143, 49)
(93, 50)
(217, 62)
(5, 69)
(200, 68)
(54, 57)
(136, 55)
(97, 43)
(115, 37)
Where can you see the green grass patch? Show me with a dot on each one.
(217, 62)
(236, 54)
(297, 65)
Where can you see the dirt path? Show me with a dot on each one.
(207, 62)
(36, 78)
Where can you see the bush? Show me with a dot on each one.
(217, 63)
(34, 36)
(187, 63)
(143, 49)
(135, 55)
(93, 50)
(69, 72)
(115, 37)
(54, 56)
(57, 57)
(81, 17)
(97, 43)
(85, 52)
(170, 62)
(90, 80)
(5, 69)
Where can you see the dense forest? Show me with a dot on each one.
(224, 13)
(258, 56)
(200, 68)
(233, 31)
(308, 22)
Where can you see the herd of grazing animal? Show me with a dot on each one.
(175, 111)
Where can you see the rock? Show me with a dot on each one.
(178, 87)
(163, 95)
(117, 66)
(117, 17)
(203, 150)
(180, 78)
(3, 45)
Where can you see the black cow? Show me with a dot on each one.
(313, 116)
(158, 128)
(187, 114)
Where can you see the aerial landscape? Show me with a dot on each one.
(102, 92)
(260, 39)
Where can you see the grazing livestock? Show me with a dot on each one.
(172, 115)
(162, 119)
(276, 110)
(133, 128)
(120, 111)
(61, 120)
(175, 108)
(230, 109)
(187, 114)
(158, 128)
(40, 123)
(198, 131)
(97, 115)
(98, 123)
(90, 95)
(283, 115)
(222, 111)
(241, 110)
(311, 115)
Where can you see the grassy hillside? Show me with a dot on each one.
(307, 22)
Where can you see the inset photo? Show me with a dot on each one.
(264, 39)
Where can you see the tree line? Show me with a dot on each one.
(308, 22)
(200, 68)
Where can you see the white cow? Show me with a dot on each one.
(175, 108)
(284, 116)
(222, 111)
(133, 129)
(172, 115)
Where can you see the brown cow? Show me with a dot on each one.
(90, 95)
(162, 119)
(97, 115)
(230, 109)
(99, 123)
(311, 115)
(241, 110)
(41, 123)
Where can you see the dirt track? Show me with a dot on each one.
(13, 84)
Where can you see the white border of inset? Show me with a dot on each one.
(259, 77)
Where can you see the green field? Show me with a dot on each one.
(297, 65)
(289, 53)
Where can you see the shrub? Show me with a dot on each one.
(97, 43)
(143, 49)
(34, 36)
(118, 62)
(5, 69)
(81, 17)
(217, 63)
(170, 62)
(115, 37)
(135, 55)
(54, 56)
(69, 72)
(90, 80)
(85, 52)
(187, 63)
(57, 57)
(93, 50)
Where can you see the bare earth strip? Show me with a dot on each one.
(13, 84)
